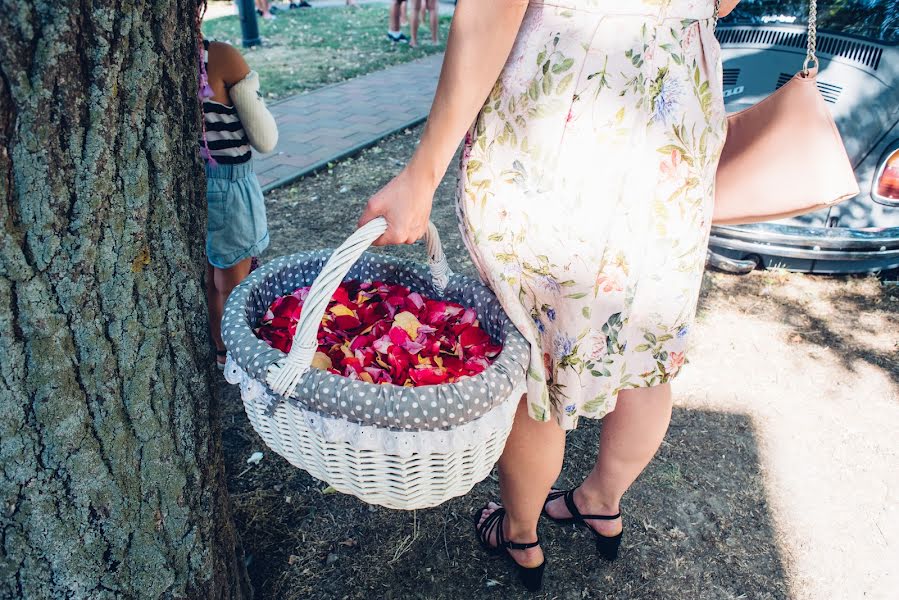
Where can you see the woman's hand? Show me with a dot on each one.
(406, 204)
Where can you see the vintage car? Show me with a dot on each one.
(763, 45)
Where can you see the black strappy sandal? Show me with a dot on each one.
(606, 546)
(531, 577)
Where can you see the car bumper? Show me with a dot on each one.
(737, 248)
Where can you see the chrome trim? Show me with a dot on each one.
(809, 243)
(730, 265)
(822, 238)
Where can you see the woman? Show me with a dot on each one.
(585, 201)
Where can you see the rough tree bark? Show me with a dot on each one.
(111, 472)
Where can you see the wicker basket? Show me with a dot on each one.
(403, 448)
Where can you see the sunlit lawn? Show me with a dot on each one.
(308, 48)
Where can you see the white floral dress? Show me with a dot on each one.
(586, 193)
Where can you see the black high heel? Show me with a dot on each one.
(531, 577)
(606, 546)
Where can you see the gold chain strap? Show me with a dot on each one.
(811, 59)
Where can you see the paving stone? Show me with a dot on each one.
(325, 124)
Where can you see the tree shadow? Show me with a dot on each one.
(697, 526)
(843, 331)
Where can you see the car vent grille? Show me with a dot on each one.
(830, 92)
(730, 77)
(856, 51)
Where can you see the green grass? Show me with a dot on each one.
(309, 48)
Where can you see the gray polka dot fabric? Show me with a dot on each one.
(399, 408)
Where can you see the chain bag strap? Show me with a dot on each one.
(811, 59)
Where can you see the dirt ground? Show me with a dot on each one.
(778, 478)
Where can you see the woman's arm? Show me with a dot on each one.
(479, 42)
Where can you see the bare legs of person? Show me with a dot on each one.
(262, 5)
(532, 460)
(393, 30)
(530, 464)
(418, 12)
(219, 283)
(631, 435)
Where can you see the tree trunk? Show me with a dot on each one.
(111, 472)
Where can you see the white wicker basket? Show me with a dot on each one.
(404, 466)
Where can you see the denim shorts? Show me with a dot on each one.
(236, 228)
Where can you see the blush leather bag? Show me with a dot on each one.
(783, 156)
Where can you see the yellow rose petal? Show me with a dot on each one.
(407, 321)
(339, 310)
(321, 361)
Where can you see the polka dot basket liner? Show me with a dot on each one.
(399, 447)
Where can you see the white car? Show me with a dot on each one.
(763, 44)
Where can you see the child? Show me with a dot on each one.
(397, 9)
(418, 14)
(234, 119)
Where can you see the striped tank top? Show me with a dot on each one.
(228, 142)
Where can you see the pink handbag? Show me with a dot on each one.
(784, 156)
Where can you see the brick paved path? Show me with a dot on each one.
(332, 122)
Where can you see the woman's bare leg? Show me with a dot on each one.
(530, 464)
(631, 435)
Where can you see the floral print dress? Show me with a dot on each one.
(586, 193)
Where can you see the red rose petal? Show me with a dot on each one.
(472, 336)
(428, 375)
(358, 335)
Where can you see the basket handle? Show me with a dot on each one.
(284, 375)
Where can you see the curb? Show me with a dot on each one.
(304, 171)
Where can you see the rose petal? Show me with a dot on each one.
(383, 344)
(341, 310)
(408, 322)
(415, 300)
(385, 334)
(472, 336)
(428, 375)
(321, 361)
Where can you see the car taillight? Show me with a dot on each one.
(888, 181)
